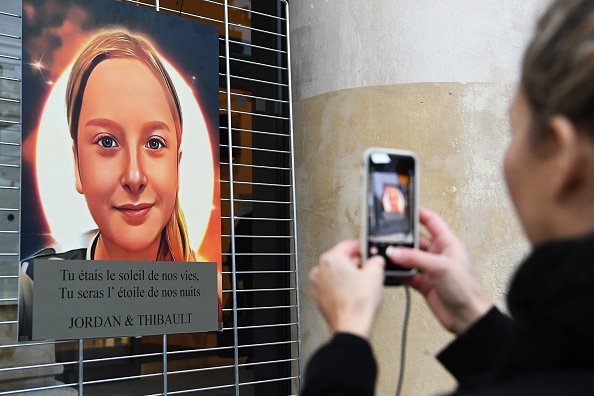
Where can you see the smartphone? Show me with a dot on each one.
(390, 206)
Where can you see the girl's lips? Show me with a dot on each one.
(134, 211)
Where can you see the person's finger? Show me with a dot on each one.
(313, 286)
(349, 247)
(420, 283)
(343, 253)
(436, 226)
(412, 258)
(425, 242)
(377, 262)
(313, 273)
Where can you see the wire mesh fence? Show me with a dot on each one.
(258, 351)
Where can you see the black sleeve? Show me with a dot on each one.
(344, 366)
(469, 357)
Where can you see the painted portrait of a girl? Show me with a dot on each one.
(137, 176)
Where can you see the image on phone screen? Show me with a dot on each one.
(390, 203)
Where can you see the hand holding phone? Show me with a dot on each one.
(445, 277)
(389, 206)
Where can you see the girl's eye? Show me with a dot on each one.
(107, 142)
(155, 144)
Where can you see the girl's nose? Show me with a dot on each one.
(133, 177)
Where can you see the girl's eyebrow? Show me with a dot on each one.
(152, 125)
(113, 125)
(105, 123)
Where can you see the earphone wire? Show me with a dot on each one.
(403, 340)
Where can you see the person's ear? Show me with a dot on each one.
(572, 157)
(77, 181)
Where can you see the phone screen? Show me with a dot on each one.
(390, 204)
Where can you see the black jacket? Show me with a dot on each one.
(547, 349)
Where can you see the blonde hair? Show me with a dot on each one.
(558, 67)
(174, 245)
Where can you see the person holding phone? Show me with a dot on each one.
(546, 346)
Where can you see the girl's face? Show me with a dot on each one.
(127, 157)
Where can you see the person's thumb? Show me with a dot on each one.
(414, 258)
(374, 264)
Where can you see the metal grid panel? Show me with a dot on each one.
(256, 174)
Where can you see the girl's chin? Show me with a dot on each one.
(134, 248)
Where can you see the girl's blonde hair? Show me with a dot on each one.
(174, 245)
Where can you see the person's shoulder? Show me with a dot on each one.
(50, 254)
(73, 250)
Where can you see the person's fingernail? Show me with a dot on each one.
(377, 260)
(393, 252)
